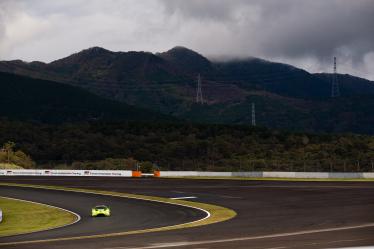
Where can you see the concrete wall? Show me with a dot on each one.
(311, 175)
(129, 173)
(368, 175)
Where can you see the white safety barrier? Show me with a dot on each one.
(129, 173)
(268, 174)
(61, 172)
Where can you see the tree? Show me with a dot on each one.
(19, 158)
(8, 148)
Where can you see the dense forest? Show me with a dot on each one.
(124, 145)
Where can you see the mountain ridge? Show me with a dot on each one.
(285, 96)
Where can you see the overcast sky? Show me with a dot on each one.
(305, 33)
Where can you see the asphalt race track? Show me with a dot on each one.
(127, 214)
(271, 214)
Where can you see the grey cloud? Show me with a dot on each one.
(2, 28)
(290, 29)
(322, 29)
(212, 10)
(293, 27)
(5, 7)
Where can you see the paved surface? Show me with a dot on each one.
(271, 214)
(127, 214)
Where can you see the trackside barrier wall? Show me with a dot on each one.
(317, 175)
(129, 173)
(157, 173)
(136, 174)
(55, 172)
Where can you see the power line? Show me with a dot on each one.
(199, 92)
(253, 114)
(335, 91)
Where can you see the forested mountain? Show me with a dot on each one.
(24, 98)
(285, 96)
(350, 85)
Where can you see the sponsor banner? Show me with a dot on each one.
(52, 172)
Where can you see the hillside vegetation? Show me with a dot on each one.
(122, 145)
(24, 98)
(12, 158)
(9, 166)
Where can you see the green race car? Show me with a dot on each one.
(100, 210)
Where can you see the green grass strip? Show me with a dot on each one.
(217, 213)
(21, 217)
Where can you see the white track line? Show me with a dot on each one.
(270, 236)
(78, 217)
(361, 247)
(184, 197)
(209, 195)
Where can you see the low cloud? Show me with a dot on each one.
(305, 33)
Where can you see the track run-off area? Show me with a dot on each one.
(266, 214)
